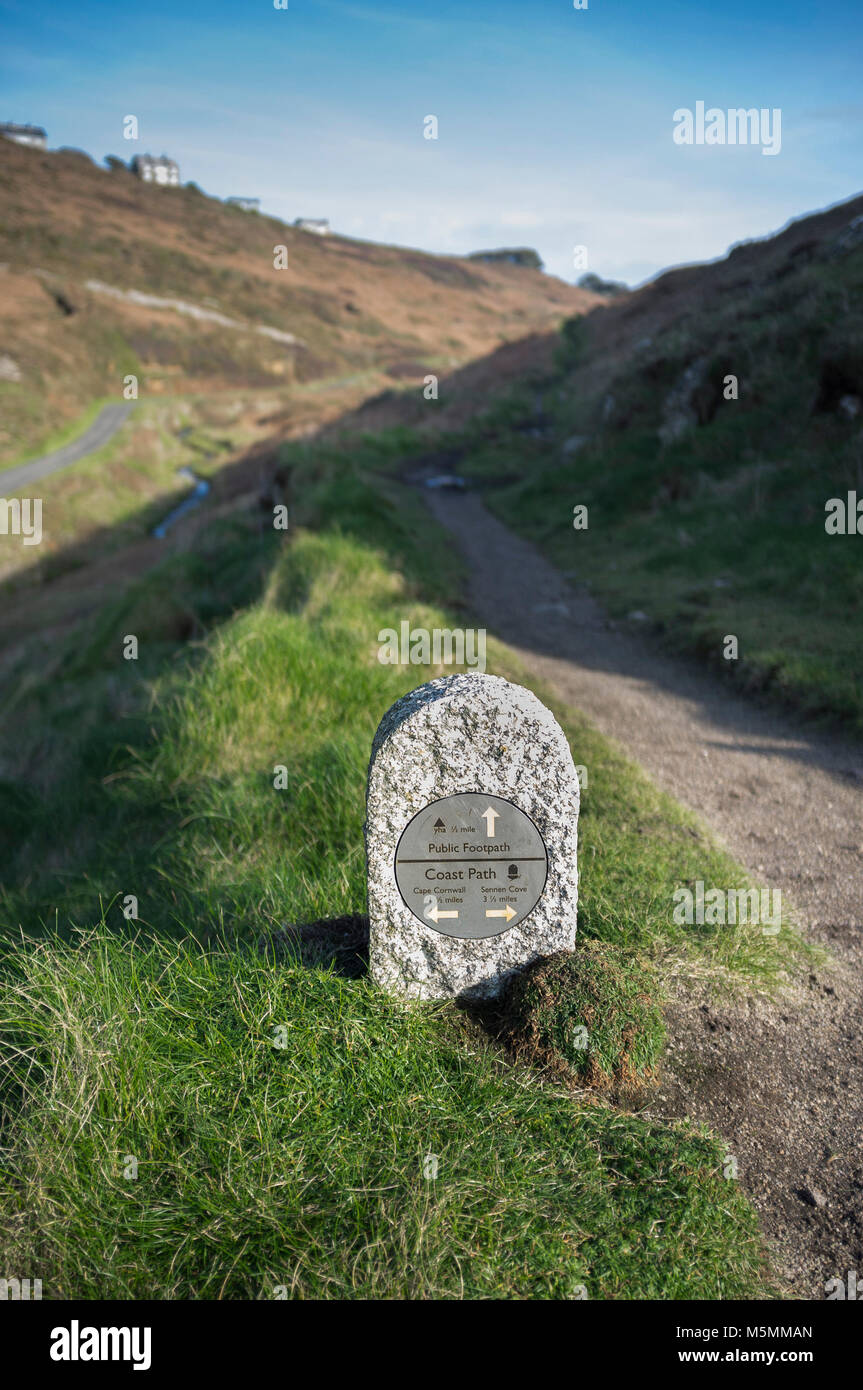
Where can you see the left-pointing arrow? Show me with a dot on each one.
(435, 913)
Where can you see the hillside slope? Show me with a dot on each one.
(103, 275)
(704, 422)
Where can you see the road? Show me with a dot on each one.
(106, 424)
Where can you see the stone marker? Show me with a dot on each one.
(471, 822)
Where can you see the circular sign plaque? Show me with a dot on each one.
(471, 865)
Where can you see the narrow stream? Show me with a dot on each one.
(195, 498)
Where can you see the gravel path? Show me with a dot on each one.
(782, 1084)
(103, 428)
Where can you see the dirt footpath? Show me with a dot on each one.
(782, 1084)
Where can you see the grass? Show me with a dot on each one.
(591, 1014)
(159, 1038)
(304, 1166)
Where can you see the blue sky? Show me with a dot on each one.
(555, 124)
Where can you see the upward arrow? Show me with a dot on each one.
(490, 816)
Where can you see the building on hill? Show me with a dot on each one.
(247, 204)
(24, 134)
(319, 225)
(151, 170)
(509, 255)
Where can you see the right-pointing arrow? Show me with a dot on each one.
(507, 912)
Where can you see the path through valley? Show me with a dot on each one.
(782, 1084)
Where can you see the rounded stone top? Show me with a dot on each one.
(478, 696)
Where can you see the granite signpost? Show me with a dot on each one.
(472, 815)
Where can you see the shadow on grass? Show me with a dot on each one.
(337, 943)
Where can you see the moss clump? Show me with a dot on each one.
(589, 1014)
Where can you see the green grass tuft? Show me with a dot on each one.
(590, 1014)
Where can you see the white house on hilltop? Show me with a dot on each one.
(247, 204)
(151, 170)
(319, 225)
(24, 134)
